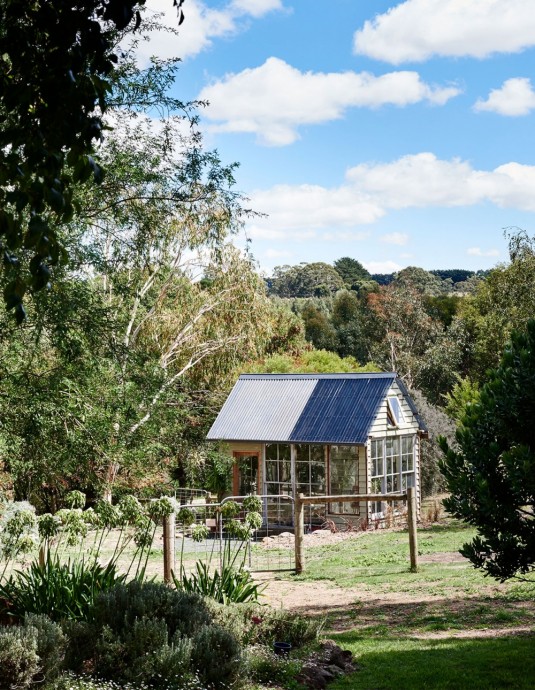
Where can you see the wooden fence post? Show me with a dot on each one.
(413, 535)
(168, 547)
(299, 527)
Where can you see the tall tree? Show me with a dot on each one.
(57, 68)
(491, 476)
(147, 330)
(306, 280)
(504, 301)
(351, 271)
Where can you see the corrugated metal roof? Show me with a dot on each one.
(301, 408)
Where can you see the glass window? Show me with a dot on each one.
(392, 467)
(277, 481)
(396, 413)
(343, 476)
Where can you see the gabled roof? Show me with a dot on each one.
(302, 408)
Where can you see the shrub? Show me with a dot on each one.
(122, 605)
(253, 624)
(19, 661)
(59, 590)
(143, 653)
(149, 634)
(51, 645)
(215, 656)
(231, 585)
(261, 665)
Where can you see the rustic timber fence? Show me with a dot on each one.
(169, 525)
(299, 519)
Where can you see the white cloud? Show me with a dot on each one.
(382, 266)
(515, 97)
(415, 30)
(399, 238)
(273, 100)
(422, 180)
(256, 8)
(303, 212)
(477, 251)
(202, 25)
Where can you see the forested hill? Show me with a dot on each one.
(320, 279)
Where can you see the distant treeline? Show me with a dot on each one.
(456, 275)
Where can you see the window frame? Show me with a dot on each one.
(394, 419)
(402, 458)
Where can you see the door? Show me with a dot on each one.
(246, 474)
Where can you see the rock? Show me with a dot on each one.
(330, 663)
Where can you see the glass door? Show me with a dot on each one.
(245, 474)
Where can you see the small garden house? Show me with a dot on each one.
(321, 434)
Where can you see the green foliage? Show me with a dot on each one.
(59, 590)
(46, 141)
(216, 656)
(438, 425)
(306, 280)
(318, 328)
(148, 633)
(218, 472)
(491, 476)
(351, 271)
(19, 662)
(501, 303)
(118, 608)
(442, 307)
(424, 282)
(101, 409)
(263, 666)
(51, 645)
(313, 361)
(464, 393)
(231, 585)
(263, 625)
(19, 534)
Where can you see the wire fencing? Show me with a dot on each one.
(230, 532)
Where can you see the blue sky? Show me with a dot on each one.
(397, 133)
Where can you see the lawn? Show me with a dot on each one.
(444, 627)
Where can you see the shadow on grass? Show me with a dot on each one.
(428, 616)
(446, 664)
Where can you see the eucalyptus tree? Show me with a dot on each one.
(58, 64)
(128, 328)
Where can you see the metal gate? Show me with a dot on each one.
(224, 533)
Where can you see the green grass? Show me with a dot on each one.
(386, 662)
(379, 561)
(414, 641)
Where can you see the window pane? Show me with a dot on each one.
(407, 444)
(377, 449)
(285, 471)
(284, 452)
(392, 484)
(377, 467)
(317, 473)
(377, 485)
(302, 452)
(317, 454)
(271, 471)
(397, 412)
(271, 451)
(302, 472)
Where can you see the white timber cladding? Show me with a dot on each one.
(382, 428)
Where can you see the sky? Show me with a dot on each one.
(396, 133)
